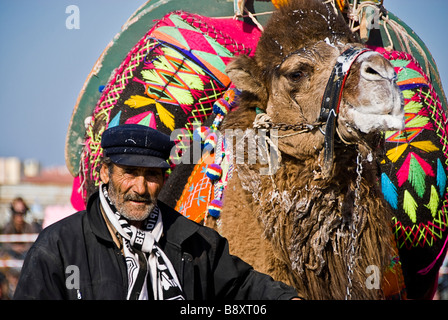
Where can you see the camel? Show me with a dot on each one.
(318, 222)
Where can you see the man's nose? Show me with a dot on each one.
(140, 185)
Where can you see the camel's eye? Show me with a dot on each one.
(295, 76)
(296, 70)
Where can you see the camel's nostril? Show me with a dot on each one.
(374, 67)
(375, 71)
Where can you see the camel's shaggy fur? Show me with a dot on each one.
(296, 225)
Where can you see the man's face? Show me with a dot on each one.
(133, 190)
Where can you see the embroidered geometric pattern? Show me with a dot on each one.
(230, 44)
(196, 195)
(169, 80)
(414, 171)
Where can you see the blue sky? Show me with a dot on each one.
(44, 65)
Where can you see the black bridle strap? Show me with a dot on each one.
(332, 99)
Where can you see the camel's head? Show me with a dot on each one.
(296, 54)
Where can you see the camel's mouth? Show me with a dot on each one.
(369, 122)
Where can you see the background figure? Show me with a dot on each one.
(3, 287)
(18, 225)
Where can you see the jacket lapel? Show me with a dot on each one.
(177, 229)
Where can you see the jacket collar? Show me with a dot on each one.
(176, 228)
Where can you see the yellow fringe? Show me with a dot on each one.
(395, 153)
(139, 101)
(165, 116)
(426, 146)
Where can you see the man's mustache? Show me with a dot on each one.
(137, 197)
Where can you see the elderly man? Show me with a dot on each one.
(129, 245)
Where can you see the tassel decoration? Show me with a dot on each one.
(214, 171)
(210, 142)
(214, 208)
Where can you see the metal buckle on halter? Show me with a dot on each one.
(331, 100)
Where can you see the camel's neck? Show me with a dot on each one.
(315, 218)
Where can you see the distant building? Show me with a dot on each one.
(31, 168)
(10, 170)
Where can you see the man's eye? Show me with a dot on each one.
(153, 173)
(130, 172)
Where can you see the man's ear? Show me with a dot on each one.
(104, 173)
(244, 72)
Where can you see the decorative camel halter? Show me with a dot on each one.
(332, 98)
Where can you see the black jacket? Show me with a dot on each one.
(199, 255)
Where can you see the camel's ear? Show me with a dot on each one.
(245, 75)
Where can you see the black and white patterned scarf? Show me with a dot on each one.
(143, 255)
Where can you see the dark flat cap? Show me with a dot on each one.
(137, 145)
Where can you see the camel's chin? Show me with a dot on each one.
(371, 122)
